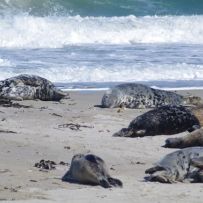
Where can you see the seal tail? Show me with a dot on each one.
(115, 182)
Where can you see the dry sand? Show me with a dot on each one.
(38, 136)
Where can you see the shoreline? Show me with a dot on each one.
(38, 136)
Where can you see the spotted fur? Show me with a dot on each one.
(165, 120)
(132, 95)
(179, 166)
(29, 87)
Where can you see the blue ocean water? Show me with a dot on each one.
(96, 44)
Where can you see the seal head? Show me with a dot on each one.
(90, 169)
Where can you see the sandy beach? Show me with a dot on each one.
(28, 135)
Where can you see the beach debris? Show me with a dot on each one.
(67, 147)
(44, 165)
(63, 163)
(7, 131)
(55, 114)
(34, 181)
(12, 189)
(47, 165)
(72, 104)
(141, 163)
(74, 126)
(4, 171)
(43, 107)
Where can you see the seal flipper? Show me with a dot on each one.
(104, 183)
(154, 169)
(67, 177)
(115, 182)
(197, 162)
(58, 95)
(193, 128)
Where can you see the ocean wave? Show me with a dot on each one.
(55, 32)
(5, 63)
(136, 73)
(101, 7)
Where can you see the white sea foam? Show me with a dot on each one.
(136, 73)
(5, 62)
(51, 32)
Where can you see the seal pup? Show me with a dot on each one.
(165, 120)
(132, 95)
(29, 87)
(179, 166)
(192, 139)
(90, 169)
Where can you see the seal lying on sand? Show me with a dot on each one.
(134, 95)
(178, 166)
(165, 120)
(192, 139)
(90, 169)
(29, 87)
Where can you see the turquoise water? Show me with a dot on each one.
(108, 8)
(96, 44)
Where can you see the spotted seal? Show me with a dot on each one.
(192, 139)
(179, 166)
(90, 169)
(29, 87)
(132, 95)
(165, 120)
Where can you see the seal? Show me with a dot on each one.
(192, 139)
(29, 87)
(165, 120)
(179, 166)
(90, 169)
(132, 95)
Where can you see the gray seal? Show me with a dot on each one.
(90, 169)
(132, 95)
(179, 166)
(165, 120)
(29, 87)
(192, 139)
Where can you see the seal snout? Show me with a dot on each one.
(172, 143)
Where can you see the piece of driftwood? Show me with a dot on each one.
(74, 126)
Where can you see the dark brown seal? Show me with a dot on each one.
(165, 120)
